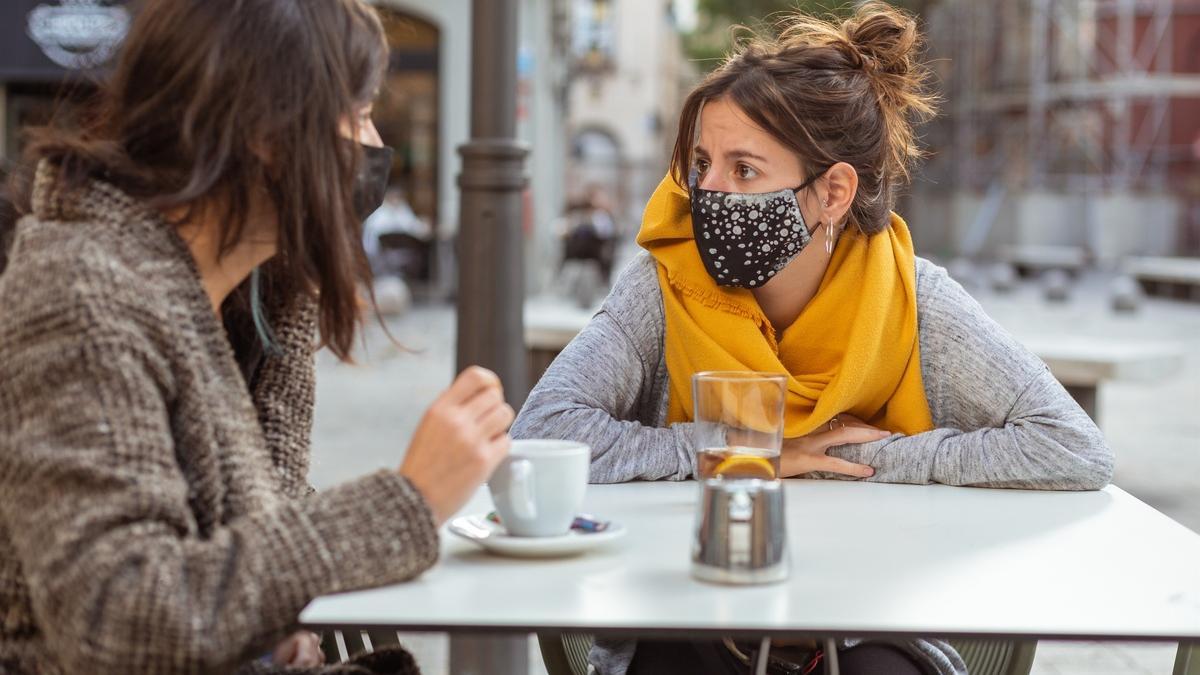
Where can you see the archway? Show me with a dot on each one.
(407, 109)
(596, 165)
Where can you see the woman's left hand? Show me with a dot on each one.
(808, 454)
(301, 649)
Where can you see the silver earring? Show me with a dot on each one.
(828, 232)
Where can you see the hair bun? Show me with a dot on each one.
(886, 38)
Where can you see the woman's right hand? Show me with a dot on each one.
(809, 453)
(459, 442)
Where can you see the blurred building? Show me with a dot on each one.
(627, 83)
(1068, 125)
(48, 49)
(425, 107)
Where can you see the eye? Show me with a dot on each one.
(745, 172)
(702, 166)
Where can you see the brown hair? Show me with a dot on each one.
(212, 100)
(832, 90)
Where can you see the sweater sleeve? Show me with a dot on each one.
(1003, 419)
(596, 389)
(121, 576)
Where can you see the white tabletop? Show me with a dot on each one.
(868, 559)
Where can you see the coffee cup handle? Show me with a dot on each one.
(524, 504)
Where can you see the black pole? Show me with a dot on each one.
(491, 278)
(491, 289)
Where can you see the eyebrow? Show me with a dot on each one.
(734, 154)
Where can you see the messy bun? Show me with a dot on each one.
(833, 90)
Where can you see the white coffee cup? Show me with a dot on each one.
(538, 489)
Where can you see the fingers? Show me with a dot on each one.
(495, 422)
(850, 435)
(498, 449)
(855, 432)
(285, 652)
(851, 421)
(471, 382)
(482, 403)
(308, 652)
(841, 466)
(317, 657)
(846, 420)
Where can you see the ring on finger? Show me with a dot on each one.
(835, 419)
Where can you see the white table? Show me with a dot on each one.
(868, 560)
(1180, 277)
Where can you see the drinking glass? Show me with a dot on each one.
(738, 423)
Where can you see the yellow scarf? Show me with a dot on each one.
(852, 350)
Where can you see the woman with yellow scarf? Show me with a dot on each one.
(772, 246)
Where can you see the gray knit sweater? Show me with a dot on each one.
(154, 512)
(1001, 418)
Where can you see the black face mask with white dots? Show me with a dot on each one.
(745, 239)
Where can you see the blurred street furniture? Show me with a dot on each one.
(1056, 285)
(1030, 259)
(403, 255)
(550, 323)
(588, 234)
(1083, 364)
(1003, 277)
(396, 240)
(1125, 294)
(392, 296)
(967, 273)
(1169, 277)
(589, 237)
(581, 283)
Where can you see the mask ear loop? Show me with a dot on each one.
(828, 220)
(265, 334)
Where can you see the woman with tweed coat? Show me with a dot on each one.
(184, 250)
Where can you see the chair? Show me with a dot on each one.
(341, 645)
(566, 654)
(404, 255)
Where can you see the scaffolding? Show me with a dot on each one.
(1073, 96)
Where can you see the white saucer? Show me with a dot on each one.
(492, 536)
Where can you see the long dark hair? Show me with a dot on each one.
(832, 90)
(211, 100)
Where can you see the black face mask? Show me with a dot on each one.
(744, 238)
(372, 180)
